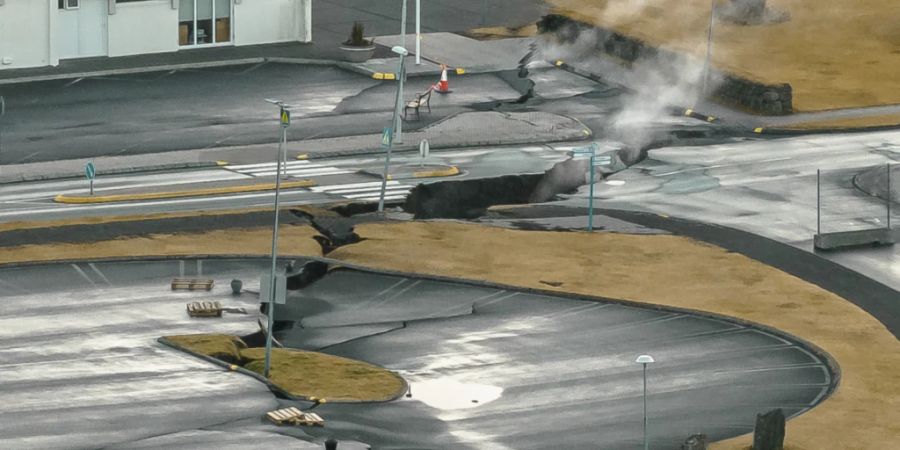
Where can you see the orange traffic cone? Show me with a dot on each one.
(443, 86)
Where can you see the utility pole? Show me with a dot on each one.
(284, 117)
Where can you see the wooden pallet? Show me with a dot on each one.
(192, 284)
(204, 309)
(293, 416)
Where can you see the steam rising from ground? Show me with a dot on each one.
(660, 82)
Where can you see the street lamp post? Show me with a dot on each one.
(644, 360)
(403, 23)
(396, 123)
(284, 118)
(418, 32)
(709, 35)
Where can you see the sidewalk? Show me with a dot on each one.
(457, 51)
(469, 129)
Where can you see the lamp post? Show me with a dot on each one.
(644, 360)
(284, 117)
(396, 123)
(418, 32)
(403, 23)
(709, 35)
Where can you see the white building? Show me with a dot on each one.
(36, 33)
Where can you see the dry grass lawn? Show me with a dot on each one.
(864, 412)
(302, 373)
(835, 54)
(851, 123)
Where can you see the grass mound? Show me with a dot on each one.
(302, 373)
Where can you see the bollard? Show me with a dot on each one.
(236, 286)
(769, 431)
(331, 444)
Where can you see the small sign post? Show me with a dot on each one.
(424, 148)
(591, 152)
(387, 140)
(90, 172)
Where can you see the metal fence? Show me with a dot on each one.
(856, 206)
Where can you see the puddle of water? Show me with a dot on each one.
(450, 394)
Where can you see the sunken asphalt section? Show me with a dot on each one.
(523, 369)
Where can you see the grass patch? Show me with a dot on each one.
(302, 373)
(846, 123)
(834, 54)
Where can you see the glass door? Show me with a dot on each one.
(204, 22)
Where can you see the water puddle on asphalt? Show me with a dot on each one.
(450, 394)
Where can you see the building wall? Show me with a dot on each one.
(28, 28)
(143, 27)
(25, 33)
(264, 21)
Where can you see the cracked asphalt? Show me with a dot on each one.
(488, 367)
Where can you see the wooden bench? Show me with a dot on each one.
(423, 99)
(293, 416)
(191, 284)
(204, 309)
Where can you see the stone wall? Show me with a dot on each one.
(750, 95)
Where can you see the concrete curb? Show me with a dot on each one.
(281, 392)
(448, 171)
(779, 131)
(61, 198)
(119, 171)
(132, 70)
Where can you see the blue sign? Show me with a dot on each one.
(387, 137)
(89, 171)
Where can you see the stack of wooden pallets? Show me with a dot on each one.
(204, 309)
(293, 416)
(191, 284)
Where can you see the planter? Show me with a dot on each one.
(357, 54)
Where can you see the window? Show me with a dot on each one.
(68, 4)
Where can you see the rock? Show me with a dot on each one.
(309, 274)
(695, 442)
(769, 431)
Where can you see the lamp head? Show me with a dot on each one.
(644, 359)
(400, 50)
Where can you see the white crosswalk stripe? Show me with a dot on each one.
(296, 169)
(370, 191)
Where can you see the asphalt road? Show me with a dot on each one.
(203, 108)
(338, 180)
(767, 188)
(488, 367)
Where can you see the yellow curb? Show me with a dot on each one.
(384, 76)
(221, 163)
(303, 156)
(232, 367)
(710, 119)
(176, 194)
(460, 71)
(559, 63)
(688, 112)
(450, 171)
(758, 130)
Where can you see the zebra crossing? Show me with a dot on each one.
(366, 192)
(296, 169)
